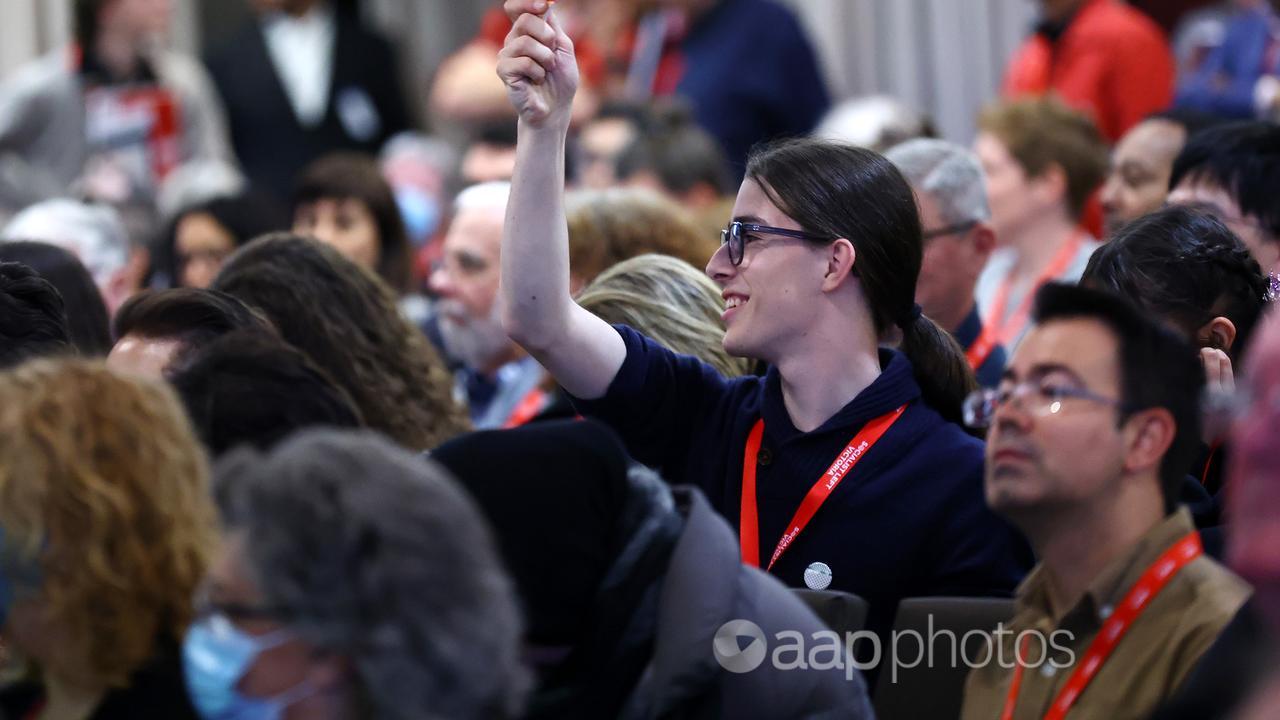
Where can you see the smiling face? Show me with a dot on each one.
(770, 296)
(1071, 457)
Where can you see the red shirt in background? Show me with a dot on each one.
(1112, 61)
(592, 62)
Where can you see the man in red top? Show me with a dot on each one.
(1101, 56)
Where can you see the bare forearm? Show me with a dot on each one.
(535, 245)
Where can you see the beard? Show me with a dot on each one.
(477, 343)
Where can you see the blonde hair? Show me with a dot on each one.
(104, 489)
(668, 300)
(609, 226)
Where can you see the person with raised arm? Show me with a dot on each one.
(840, 467)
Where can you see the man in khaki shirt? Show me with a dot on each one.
(1091, 430)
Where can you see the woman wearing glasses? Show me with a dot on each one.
(839, 467)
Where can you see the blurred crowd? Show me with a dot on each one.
(544, 358)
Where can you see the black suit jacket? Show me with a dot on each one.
(365, 107)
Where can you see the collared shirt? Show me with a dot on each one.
(1111, 60)
(301, 49)
(492, 399)
(1162, 645)
(967, 334)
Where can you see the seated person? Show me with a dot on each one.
(1141, 163)
(250, 388)
(1235, 170)
(502, 384)
(342, 200)
(819, 263)
(609, 226)
(108, 528)
(1091, 432)
(202, 236)
(157, 327)
(86, 313)
(631, 631)
(33, 322)
(1042, 163)
(346, 321)
(958, 242)
(668, 300)
(1184, 266)
(353, 581)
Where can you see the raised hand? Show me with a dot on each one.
(537, 65)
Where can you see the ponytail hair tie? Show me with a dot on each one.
(911, 317)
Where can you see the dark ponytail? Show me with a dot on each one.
(843, 191)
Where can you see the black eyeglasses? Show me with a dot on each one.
(737, 234)
(949, 230)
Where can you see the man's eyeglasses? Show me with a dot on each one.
(737, 234)
(949, 230)
(1040, 398)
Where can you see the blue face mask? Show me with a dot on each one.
(215, 655)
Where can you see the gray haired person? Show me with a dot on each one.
(958, 241)
(354, 581)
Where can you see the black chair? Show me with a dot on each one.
(842, 612)
(935, 690)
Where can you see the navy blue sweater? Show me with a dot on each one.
(909, 520)
(751, 75)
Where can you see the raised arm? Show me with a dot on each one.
(581, 351)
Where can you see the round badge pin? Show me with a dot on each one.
(817, 576)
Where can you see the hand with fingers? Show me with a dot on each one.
(537, 65)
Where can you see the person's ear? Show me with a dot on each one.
(983, 238)
(841, 256)
(1219, 334)
(1148, 436)
(1051, 184)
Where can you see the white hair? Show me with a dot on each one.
(876, 122)
(93, 233)
(484, 196)
(950, 174)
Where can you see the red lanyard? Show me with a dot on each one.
(749, 530)
(981, 348)
(1204, 476)
(1005, 331)
(527, 409)
(1114, 629)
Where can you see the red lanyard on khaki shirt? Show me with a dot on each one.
(1005, 330)
(749, 530)
(1114, 629)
